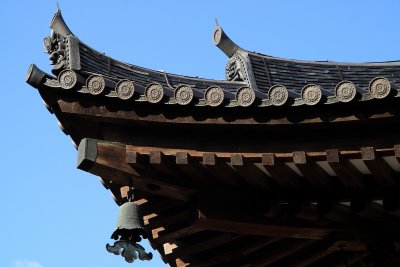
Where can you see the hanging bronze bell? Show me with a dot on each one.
(129, 223)
(129, 231)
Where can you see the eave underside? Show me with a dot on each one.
(316, 185)
(246, 190)
(208, 209)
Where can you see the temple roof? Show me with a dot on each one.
(252, 79)
(283, 163)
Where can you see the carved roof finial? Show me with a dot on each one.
(223, 42)
(216, 21)
(58, 24)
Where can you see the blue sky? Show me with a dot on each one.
(53, 215)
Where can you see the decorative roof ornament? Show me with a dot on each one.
(380, 87)
(345, 91)
(183, 94)
(129, 231)
(311, 94)
(269, 81)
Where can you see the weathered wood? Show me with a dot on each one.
(349, 246)
(181, 263)
(246, 246)
(221, 171)
(139, 160)
(262, 229)
(314, 174)
(303, 210)
(391, 204)
(381, 171)
(161, 238)
(159, 203)
(191, 167)
(346, 172)
(251, 173)
(169, 247)
(397, 152)
(165, 167)
(109, 160)
(165, 220)
(281, 173)
(349, 259)
(208, 244)
(290, 247)
(336, 212)
(367, 209)
(307, 259)
(116, 193)
(132, 116)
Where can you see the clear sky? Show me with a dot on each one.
(53, 215)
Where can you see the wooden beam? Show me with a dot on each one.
(349, 246)
(262, 229)
(303, 210)
(251, 173)
(160, 237)
(346, 172)
(290, 247)
(314, 174)
(161, 221)
(367, 209)
(109, 160)
(246, 245)
(349, 259)
(192, 168)
(309, 259)
(154, 165)
(165, 167)
(336, 212)
(157, 115)
(381, 171)
(159, 203)
(281, 173)
(181, 263)
(221, 171)
(200, 246)
(397, 152)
